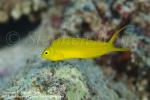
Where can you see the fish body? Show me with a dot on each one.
(68, 48)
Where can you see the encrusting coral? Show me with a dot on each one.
(72, 80)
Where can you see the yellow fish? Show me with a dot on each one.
(68, 48)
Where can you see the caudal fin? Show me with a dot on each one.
(115, 35)
(114, 38)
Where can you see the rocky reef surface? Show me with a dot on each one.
(64, 80)
(28, 26)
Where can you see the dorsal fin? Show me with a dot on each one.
(115, 35)
(66, 42)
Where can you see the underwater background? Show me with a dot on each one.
(27, 27)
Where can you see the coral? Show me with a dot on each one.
(48, 80)
(100, 19)
(128, 73)
(3, 17)
(72, 79)
(137, 14)
(17, 8)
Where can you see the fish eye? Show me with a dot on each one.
(46, 52)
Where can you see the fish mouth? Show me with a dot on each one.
(44, 57)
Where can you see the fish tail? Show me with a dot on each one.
(115, 35)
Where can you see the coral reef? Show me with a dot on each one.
(17, 8)
(72, 80)
(116, 76)
(100, 21)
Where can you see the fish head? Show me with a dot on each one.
(52, 54)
